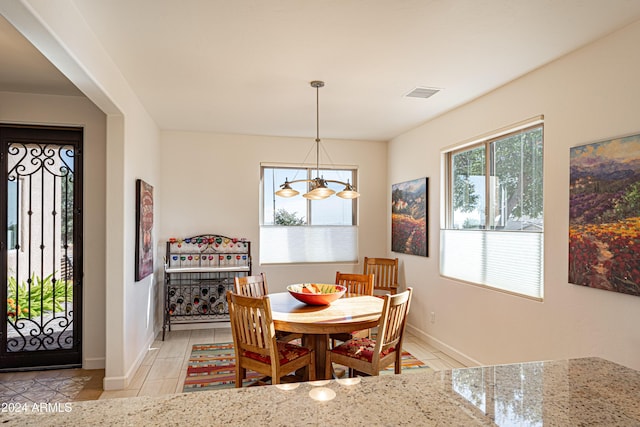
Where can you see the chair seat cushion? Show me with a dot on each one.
(286, 353)
(360, 348)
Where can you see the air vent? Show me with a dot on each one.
(422, 92)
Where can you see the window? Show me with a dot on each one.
(297, 230)
(493, 227)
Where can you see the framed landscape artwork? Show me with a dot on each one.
(604, 215)
(144, 229)
(409, 217)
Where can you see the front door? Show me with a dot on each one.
(41, 249)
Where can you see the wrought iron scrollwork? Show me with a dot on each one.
(45, 172)
(29, 335)
(40, 156)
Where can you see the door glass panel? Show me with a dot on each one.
(40, 221)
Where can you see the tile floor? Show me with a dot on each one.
(162, 371)
(62, 385)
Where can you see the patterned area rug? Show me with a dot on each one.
(212, 367)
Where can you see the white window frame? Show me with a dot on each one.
(506, 261)
(308, 244)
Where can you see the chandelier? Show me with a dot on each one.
(318, 188)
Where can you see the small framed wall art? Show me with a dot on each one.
(144, 229)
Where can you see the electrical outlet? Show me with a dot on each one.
(433, 317)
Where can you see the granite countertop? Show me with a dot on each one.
(587, 391)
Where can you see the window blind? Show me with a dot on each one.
(510, 261)
(308, 244)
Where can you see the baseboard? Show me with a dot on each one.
(122, 382)
(93, 363)
(114, 383)
(204, 325)
(445, 348)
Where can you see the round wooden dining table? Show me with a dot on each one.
(347, 314)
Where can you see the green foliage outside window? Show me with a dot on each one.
(515, 177)
(24, 301)
(465, 165)
(518, 167)
(283, 217)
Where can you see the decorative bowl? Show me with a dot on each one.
(316, 293)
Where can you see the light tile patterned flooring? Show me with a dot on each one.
(63, 385)
(162, 371)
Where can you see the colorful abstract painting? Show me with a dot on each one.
(604, 215)
(144, 229)
(409, 217)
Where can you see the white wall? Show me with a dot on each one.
(78, 111)
(211, 184)
(139, 299)
(587, 96)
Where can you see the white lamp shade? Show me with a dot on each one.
(287, 192)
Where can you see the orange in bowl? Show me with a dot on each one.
(316, 293)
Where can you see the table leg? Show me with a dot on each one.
(319, 343)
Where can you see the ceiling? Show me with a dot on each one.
(244, 66)
(24, 69)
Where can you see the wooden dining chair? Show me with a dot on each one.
(361, 284)
(370, 356)
(255, 344)
(385, 271)
(251, 286)
(256, 286)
